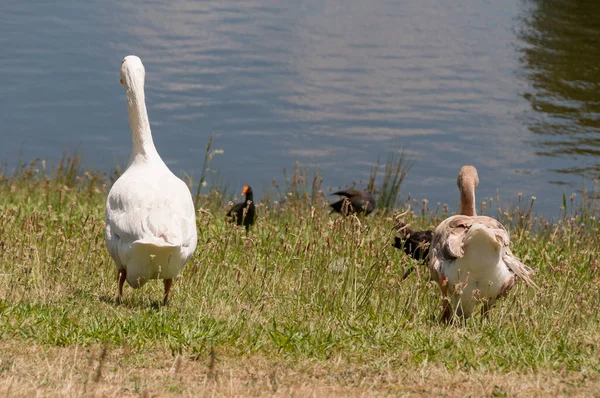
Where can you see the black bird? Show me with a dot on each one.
(414, 243)
(244, 213)
(353, 201)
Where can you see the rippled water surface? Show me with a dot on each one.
(512, 87)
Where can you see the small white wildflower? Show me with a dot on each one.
(338, 265)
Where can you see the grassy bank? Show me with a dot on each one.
(306, 303)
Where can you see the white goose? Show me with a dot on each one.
(470, 256)
(150, 215)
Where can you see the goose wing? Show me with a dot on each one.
(449, 236)
(449, 239)
(157, 211)
(518, 268)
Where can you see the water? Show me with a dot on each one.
(511, 87)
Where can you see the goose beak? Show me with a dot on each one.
(121, 81)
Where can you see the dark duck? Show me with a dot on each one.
(244, 213)
(414, 243)
(353, 201)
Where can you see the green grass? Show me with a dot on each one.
(302, 287)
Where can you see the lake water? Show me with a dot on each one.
(512, 87)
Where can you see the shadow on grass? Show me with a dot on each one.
(133, 303)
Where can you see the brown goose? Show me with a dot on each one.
(352, 202)
(244, 213)
(470, 256)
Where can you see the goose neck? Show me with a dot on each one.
(467, 200)
(141, 136)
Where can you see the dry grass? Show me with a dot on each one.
(73, 371)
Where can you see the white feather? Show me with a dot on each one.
(150, 216)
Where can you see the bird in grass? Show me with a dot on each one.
(244, 213)
(414, 244)
(150, 215)
(470, 256)
(353, 202)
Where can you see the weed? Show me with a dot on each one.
(302, 288)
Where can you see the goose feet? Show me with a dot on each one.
(168, 283)
(122, 277)
(485, 309)
(446, 307)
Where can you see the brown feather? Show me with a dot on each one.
(448, 242)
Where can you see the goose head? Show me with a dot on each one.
(467, 182)
(132, 73)
(467, 178)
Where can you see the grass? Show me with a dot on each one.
(395, 170)
(307, 303)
